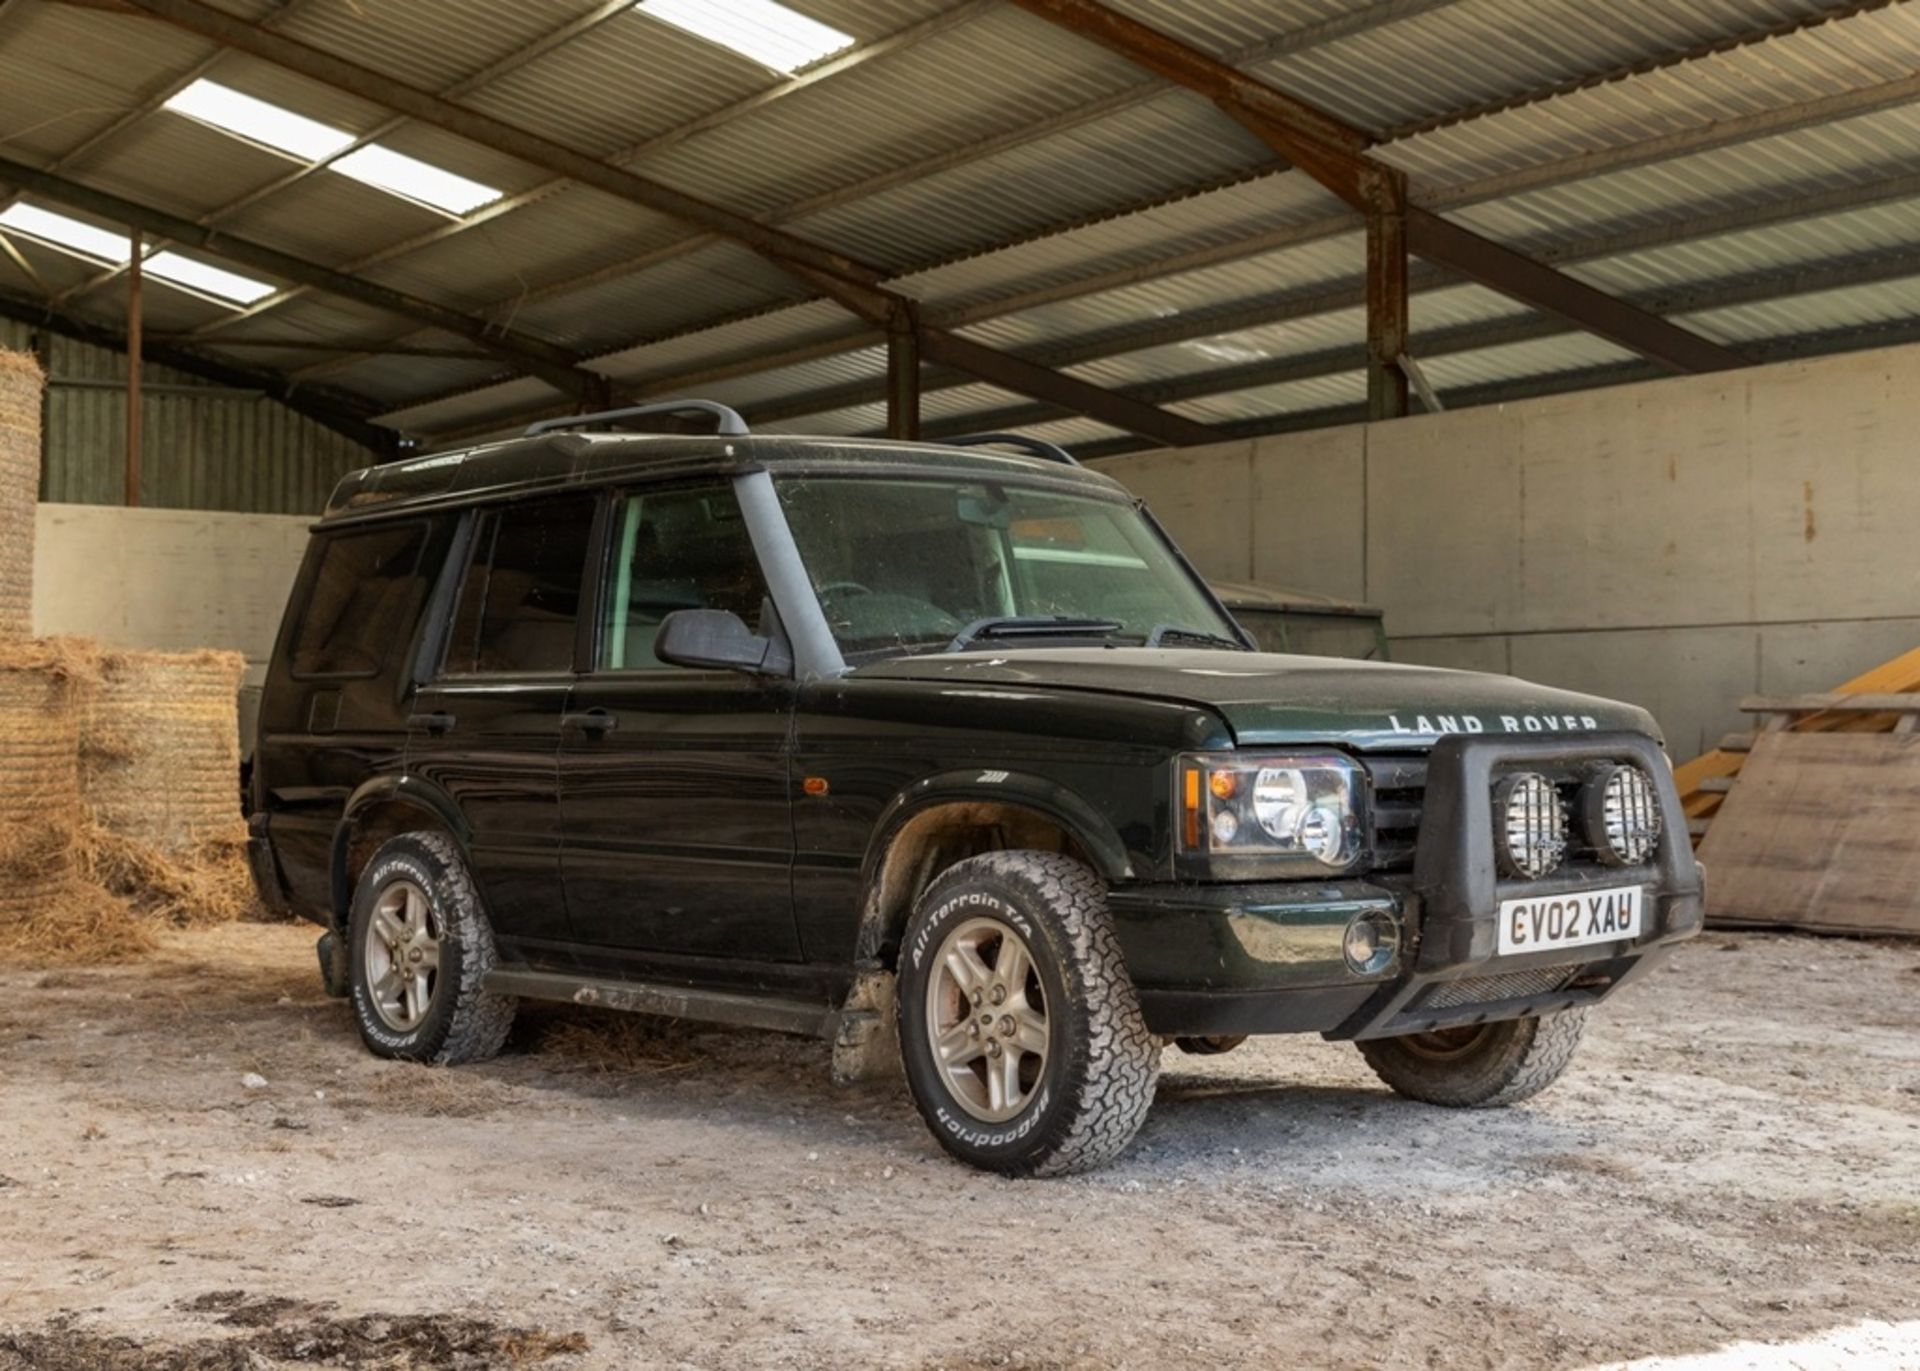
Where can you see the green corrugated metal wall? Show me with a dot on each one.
(218, 450)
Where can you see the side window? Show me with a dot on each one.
(675, 549)
(520, 597)
(365, 595)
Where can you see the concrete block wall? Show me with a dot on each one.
(1678, 543)
(170, 579)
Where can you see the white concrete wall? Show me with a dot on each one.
(1679, 543)
(171, 579)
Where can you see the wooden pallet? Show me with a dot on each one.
(1819, 834)
(1869, 703)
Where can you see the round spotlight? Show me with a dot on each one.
(1621, 816)
(1371, 943)
(1532, 825)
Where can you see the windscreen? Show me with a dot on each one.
(913, 564)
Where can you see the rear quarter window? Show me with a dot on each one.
(366, 594)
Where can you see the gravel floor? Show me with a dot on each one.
(200, 1168)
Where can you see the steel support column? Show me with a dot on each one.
(1338, 155)
(1387, 303)
(903, 372)
(134, 355)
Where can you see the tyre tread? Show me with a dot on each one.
(1122, 1059)
(1509, 1072)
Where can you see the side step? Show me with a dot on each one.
(677, 1002)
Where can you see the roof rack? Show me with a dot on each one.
(1037, 447)
(730, 424)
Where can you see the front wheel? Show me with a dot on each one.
(1481, 1066)
(419, 949)
(1021, 1034)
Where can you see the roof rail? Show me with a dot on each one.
(1037, 447)
(730, 424)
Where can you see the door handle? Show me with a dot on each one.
(436, 722)
(591, 721)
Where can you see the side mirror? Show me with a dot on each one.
(719, 638)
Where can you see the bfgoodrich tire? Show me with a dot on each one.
(1480, 1067)
(419, 950)
(1020, 1030)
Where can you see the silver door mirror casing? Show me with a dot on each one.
(719, 638)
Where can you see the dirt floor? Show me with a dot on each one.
(201, 1168)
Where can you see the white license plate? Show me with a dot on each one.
(1541, 923)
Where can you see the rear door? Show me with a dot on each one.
(486, 728)
(674, 781)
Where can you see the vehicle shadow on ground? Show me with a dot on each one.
(631, 1064)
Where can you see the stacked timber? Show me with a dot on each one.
(1809, 821)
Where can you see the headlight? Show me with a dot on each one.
(1305, 807)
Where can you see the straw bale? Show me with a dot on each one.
(160, 769)
(49, 909)
(161, 747)
(21, 382)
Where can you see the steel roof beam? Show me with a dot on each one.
(539, 47)
(1336, 155)
(334, 413)
(553, 365)
(1753, 288)
(1328, 298)
(1706, 138)
(1789, 347)
(858, 57)
(1325, 31)
(854, 284)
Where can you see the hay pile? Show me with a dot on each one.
(50, 909)
(21, 382)
(159, 775)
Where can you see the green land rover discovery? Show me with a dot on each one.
(940, 752)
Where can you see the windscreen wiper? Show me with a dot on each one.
(1017, 626)
(1162, 632)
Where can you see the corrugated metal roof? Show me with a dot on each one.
(1033, 188)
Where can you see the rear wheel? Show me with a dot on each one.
(1479, 1066)
(419, 950)
(1020, 1031)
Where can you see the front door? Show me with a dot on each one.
(486, 729)
(674, 782)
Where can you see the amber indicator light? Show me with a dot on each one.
(814, 785)
(1193, 806)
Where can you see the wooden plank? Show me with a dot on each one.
(1737, 742)
(1833, 702)
(1716, 785)
(1794, 846)
(1688, 777)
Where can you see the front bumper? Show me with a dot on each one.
(1230, 959)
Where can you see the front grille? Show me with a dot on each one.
(1398, 784)
(1511, 985)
